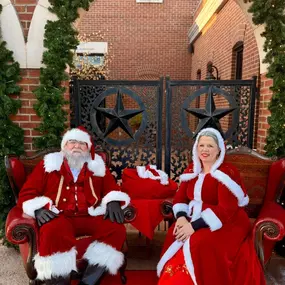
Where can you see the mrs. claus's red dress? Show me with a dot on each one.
(223, 253)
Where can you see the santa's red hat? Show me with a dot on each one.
(79, 134)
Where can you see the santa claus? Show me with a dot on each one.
(71, 193)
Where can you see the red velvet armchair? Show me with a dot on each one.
(23, 230)
(264, 179)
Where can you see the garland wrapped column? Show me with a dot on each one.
(59, 40)
(271, 13)
(11, 135)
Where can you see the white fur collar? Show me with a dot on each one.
(53, 162)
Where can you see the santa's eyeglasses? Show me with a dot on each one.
(74, 142)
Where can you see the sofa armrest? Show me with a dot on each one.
(166, 209)
(130, 213)
(269, 226)
(20, 228)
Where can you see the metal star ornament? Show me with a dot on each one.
(210, 116)
(119, 116)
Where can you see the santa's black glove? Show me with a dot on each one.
(114, 212)
(43, 216)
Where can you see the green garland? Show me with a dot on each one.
(271, 14)
(59, 40)
(11, 135)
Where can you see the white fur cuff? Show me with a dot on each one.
(36, 203)
(111, 196)
(105, 256)
(55, 265)
(117, 196)
(211, 219)
(180, 207)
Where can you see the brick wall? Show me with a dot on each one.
(148, 40)
(216, 44)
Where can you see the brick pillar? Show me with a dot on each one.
(263, 126)
(25, 9)
(26, 117)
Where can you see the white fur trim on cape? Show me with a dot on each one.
(97, 166)
(104, 255)
(232, 186)
(188, 260)
(198, 187)
(76, 134)
(187, 177)
(36, 203)
(55, 265)
(111, 196)
(175, 246)
(180, 207)
(145, 173)
(211, 219)
(195, 209)
(53, 162)
(196, 161)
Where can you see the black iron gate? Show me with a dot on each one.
(229, 105)
(125, 118)
(128, 119)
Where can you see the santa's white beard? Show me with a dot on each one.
(76, 161)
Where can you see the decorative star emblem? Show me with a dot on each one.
(210, 116)
(119, 116)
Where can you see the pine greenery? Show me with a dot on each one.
(271, 14)
(11, 135)
(59, 40)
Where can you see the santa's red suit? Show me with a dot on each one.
(80, 205)
(222, 253)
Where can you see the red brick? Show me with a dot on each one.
(29, 81)
(25, 17)
(20, 118)
(34, 73)
(25, 1)
(35, 118)
(31, 9)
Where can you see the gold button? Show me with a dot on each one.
(67, 187)
(64, 199)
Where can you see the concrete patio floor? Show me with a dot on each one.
(12, 271)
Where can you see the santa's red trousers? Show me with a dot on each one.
(59, 235)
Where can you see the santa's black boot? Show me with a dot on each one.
(92, 275)
(58, 281)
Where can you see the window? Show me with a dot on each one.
(237, 60)
(199, 74)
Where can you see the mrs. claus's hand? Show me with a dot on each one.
(183, 233)
(179, 224)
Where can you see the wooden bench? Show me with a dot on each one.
(23, 230)
(264, 179)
